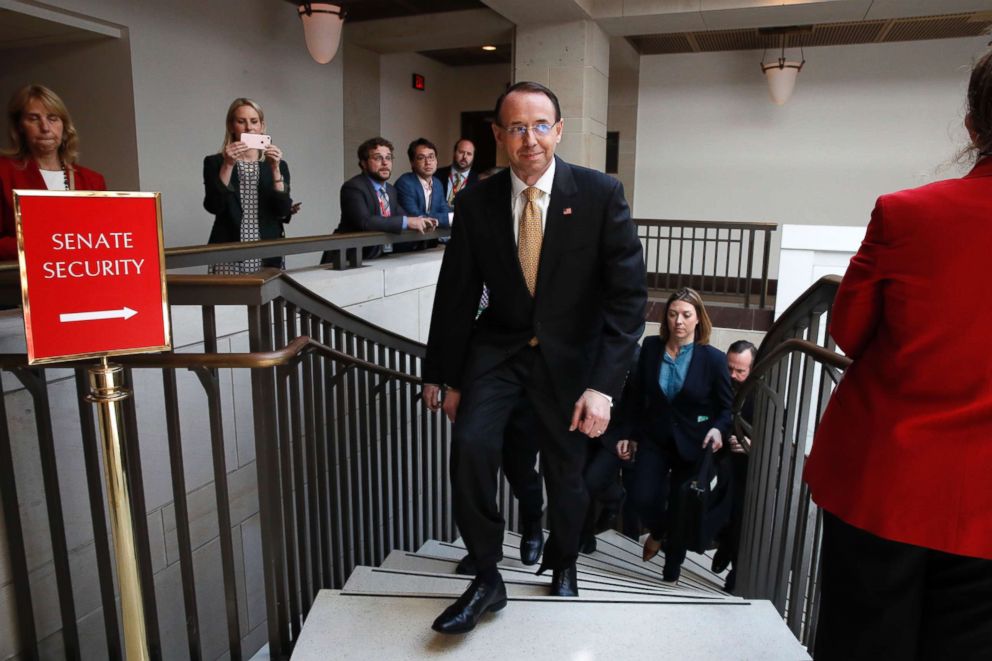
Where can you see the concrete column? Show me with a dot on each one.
(573, 59)
(624, 85)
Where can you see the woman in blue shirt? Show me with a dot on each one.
(681, 399)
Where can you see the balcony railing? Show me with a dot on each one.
(728, 259)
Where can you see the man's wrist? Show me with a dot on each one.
(601, 394)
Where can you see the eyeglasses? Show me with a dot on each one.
(540, 130)
(379, 158)
(420, 158)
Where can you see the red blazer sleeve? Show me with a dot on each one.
(858, 305)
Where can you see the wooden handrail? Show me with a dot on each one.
(818, 297)
(765, 365)
(288, 355)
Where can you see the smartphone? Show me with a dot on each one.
(256, 140)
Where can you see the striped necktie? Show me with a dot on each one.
(383, 202)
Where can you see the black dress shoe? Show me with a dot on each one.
(731, 581)
(564, 582)
(466, 566)
(721, 560)
(587, 544)
(480, 598)
(531, 542)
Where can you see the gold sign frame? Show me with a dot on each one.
(22, 263)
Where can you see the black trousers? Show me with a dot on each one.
(661, 471)
(730, 537)
(602, 478)
(484, 412)
(881, 599)
(520, 450)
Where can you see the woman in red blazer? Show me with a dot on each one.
(42, 156)
(902, 459)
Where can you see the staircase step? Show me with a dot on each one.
(425, 562)
(398, 581)
(622, 547)
(628, 565)
(348, 627)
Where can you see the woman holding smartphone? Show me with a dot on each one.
(246, 187)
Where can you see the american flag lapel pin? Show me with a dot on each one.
(567, 211)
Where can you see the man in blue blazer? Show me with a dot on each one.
(420, 192)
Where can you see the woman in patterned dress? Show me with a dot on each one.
(246, 189)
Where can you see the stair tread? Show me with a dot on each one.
(446, 565)
(399, 581)
(351, 626)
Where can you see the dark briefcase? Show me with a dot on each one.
(704, 503)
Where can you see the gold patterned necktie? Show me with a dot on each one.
(531, 236)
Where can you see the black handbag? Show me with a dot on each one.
(704, 503)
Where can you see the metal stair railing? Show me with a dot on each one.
(795, 372)
(348, 464)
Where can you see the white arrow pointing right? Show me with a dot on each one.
(123, 313)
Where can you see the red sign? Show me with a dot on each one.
(92, 274)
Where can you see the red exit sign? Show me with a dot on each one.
(92, 274)
(419, 83)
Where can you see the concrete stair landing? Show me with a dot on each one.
(624, 611)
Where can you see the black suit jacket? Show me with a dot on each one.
(588, 311)
(445, 173)
(703, 403)
(360, 211)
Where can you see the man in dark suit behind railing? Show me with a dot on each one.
(369, 203)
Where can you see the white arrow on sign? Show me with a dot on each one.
(123, 313)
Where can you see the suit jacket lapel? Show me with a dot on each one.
(556, 224)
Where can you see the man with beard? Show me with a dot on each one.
(740, 357)
(369, 203)
(459, 175)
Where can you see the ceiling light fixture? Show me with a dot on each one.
(322, 23)
(781, 73)
(489, 48)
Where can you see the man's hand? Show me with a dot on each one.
(714, 439)
(735, 445)
(626, 449)
(451, 399)
(591, 415)
(420, 223)
(432, 396)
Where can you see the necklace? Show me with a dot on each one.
(65, 174)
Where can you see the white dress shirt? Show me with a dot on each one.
(518, 200)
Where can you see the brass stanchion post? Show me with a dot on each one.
(107, 392)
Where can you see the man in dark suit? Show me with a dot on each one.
(740, 358)
(420, 192)
(459, 175)
(369, 203)
(559, 252)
